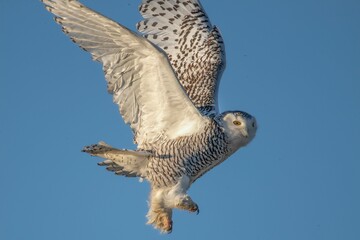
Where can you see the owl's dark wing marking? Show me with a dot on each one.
(194, 47)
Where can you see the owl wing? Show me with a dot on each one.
(194, 47)
(139, 75)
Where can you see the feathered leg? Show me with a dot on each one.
(163, 200)
(178, 198)
(159, 215)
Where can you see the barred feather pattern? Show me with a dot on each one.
(192, 156)
(194, 47)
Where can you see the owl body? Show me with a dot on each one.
(189, 156)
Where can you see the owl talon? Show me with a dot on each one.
(161, 219)
(188, 204)
(167, 226)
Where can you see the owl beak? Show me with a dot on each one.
(244, 133)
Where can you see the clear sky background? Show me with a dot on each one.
(295, 65)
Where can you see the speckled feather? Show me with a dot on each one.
(194, 47)
(191, 155)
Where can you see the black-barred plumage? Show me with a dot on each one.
(199, 153)
(194, 47)
(165, 84)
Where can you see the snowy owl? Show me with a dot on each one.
(165, 83)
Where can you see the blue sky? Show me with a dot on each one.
(295, 65)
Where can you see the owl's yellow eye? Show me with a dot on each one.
(237, 123)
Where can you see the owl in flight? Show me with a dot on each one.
(165, 82)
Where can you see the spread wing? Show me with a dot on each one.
(138, 74)
(195, 48)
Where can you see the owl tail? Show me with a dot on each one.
(124, 162)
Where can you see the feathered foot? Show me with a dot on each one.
(186, 203)
(161, 219)
(163, 200)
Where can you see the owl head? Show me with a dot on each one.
(239, 127)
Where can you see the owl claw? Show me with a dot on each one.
(188, 204)
(161, 219)
(166, 226)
